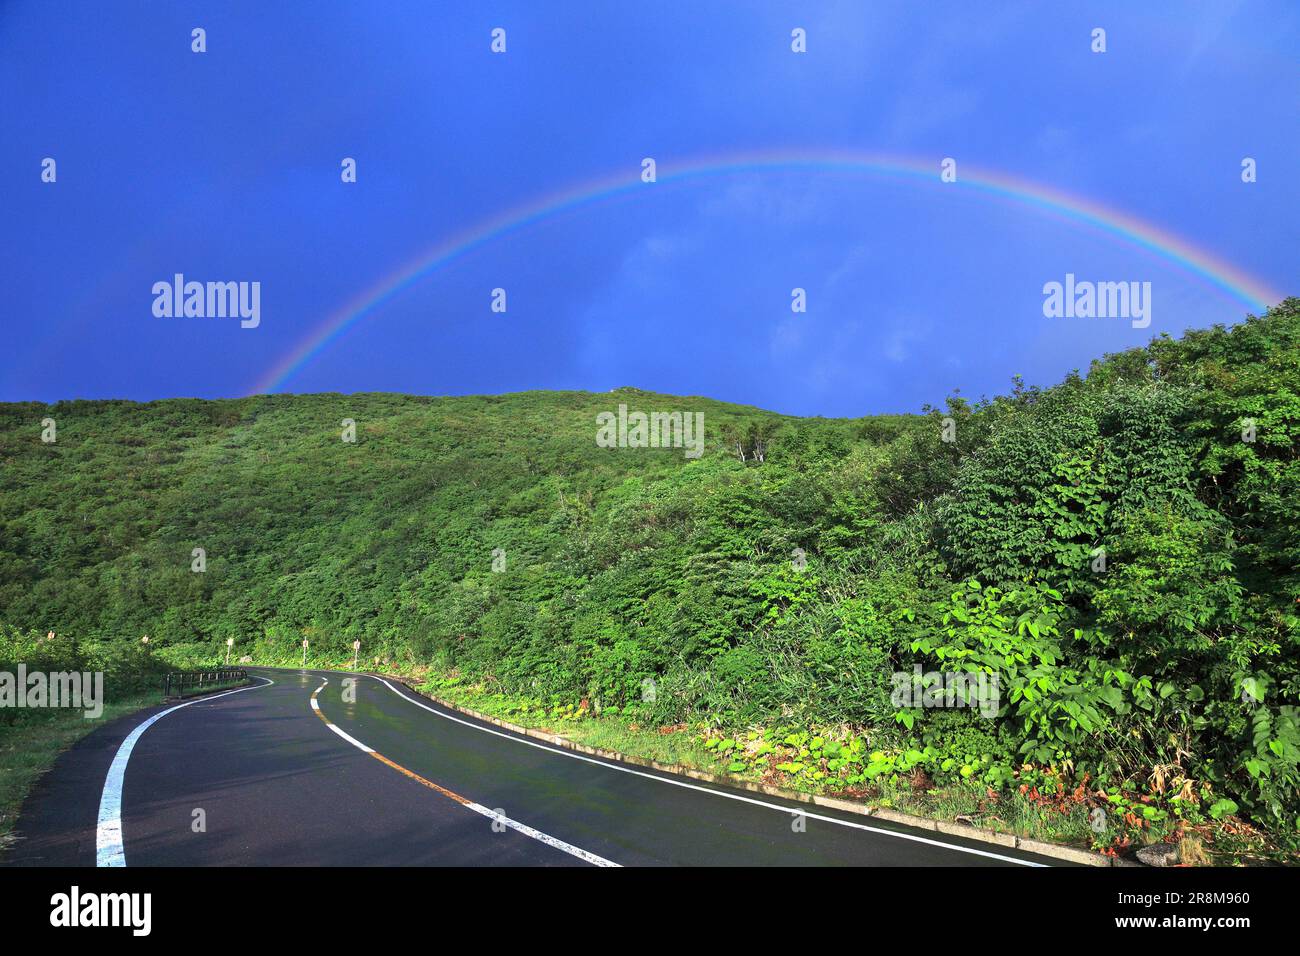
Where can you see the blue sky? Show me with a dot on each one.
(225, 166)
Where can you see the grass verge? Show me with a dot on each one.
(29, 747)
(1045, 808)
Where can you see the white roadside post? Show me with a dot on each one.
(356, 651)
(304, 653)
(230, 642)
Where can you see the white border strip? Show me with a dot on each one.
(717, 793)
(109, 850)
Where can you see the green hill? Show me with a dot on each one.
(1121, 551)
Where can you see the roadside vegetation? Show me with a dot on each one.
(32, 737)
(1120, 552)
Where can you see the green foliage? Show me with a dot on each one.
(1058, 695)
(128, 668)
(1120, 551)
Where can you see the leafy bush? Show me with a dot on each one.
(1120, 551)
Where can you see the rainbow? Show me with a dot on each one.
(1128, 229)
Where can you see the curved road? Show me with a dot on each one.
(291, 773)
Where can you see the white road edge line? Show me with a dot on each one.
(717, 793)
(109, 850)
(501, 818)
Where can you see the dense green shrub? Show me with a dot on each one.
(1121, 550)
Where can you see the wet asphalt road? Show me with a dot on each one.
(273, 785)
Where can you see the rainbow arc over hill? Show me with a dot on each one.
(1017, 191)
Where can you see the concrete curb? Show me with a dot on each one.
(1010, 840)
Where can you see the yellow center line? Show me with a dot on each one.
(494, 815)
(392, 763)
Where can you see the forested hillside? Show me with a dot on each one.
(1121, 550)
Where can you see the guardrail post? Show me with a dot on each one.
(175, 684)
